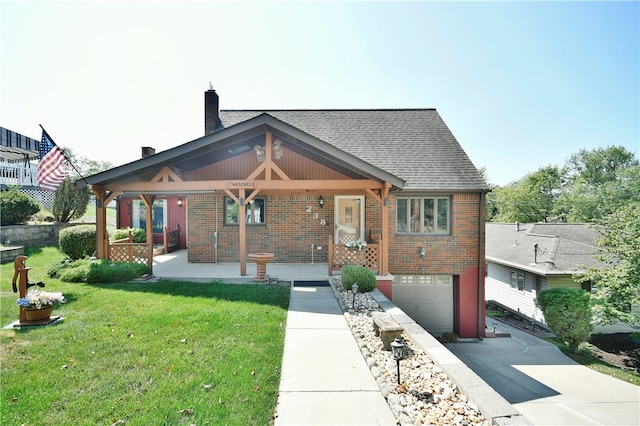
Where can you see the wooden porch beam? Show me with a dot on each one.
(221, 185)
(166, 174)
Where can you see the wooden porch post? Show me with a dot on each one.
(242, 222)
(101, 222)
(384, 234)
(148, 202)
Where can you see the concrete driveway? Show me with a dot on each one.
(547, 387)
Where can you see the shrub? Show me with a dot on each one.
(568, 314)
(78, 241)
(97, 272)
(107, 272)
(139, 235)
(16, 207)
(360, 275)
(70, 271)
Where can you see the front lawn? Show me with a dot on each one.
(167, 353)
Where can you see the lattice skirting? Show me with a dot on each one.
(367, 257)
(44, 198)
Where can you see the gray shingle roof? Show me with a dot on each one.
(413, 144)
(563, 248)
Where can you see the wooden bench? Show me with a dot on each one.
(386, 327)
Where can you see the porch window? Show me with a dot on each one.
(159, 216)
(425, 215)
(255, 211)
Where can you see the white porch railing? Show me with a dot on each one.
(18, 174)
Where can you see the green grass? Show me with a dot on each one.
(167, 353)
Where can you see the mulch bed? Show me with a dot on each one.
(617, 349)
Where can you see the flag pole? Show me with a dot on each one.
(63, 154)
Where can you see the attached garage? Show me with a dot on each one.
(427, 299)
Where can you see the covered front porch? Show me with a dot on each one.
(175, 266)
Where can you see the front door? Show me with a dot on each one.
(349, 219)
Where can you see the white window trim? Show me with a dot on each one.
(135, 212)
(421, 218)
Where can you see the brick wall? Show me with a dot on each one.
(289, 232)
(446, 254)
(291, 229)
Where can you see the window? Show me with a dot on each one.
(517, 280)
(428, 215)
(139, 215)
(255, 211)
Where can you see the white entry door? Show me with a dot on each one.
(349, 219)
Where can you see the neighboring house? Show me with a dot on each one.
(308, 182)
(525, 259)
(19, 166)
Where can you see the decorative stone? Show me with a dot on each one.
(428, 396)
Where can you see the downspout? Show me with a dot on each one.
(480, 268)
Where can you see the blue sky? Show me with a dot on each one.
(521, 84)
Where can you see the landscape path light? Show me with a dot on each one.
(354, 290)
(397, 349)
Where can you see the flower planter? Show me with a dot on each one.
(33, 314)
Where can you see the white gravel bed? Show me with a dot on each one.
(426, 396)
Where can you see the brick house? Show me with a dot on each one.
(308, 183)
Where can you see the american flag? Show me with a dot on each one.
(51, 168)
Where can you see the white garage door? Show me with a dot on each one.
(427, 299)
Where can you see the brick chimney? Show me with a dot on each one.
(211, 111)
(148, 151)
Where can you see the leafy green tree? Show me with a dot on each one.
(85, 166)
(490, 199)
(568, 314)
(16, 207)
(617, 283)
(69, 201)
(530, 199)
(599, 182)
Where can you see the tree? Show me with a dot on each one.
(85, 166)
(490, 199)
(600, 182)
(568, 315)
(591, 185)
(617, 283)
(69, 202)
(530, 199)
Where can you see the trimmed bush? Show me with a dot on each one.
(360, 275)
(97, 271)
(139, 234)
(16, 207)
(567, 312)
(78, 242)
(107, 272)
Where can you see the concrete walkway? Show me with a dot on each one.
(325, 380)
(547, 387)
